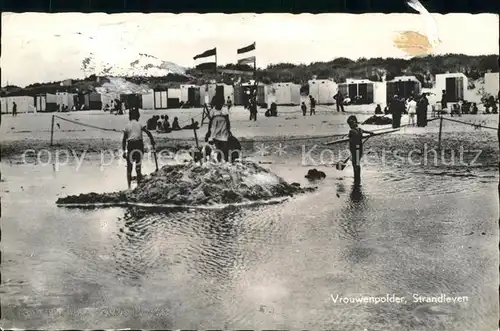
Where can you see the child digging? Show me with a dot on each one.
(356, 146)
(133, 145)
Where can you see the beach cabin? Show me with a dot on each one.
(491, 83)
(287, 93)
(191, 95)
(160, 99)
(366, 91)
(50, 102)
(242, 93)
(174, 98)
(25, 104)
(131, 100)
(65, 99)
(92, 101)
(404, 86)
(455, 85)
(40, 102)
(322, 90)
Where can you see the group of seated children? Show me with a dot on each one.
(162, 125)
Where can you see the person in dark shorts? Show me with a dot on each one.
(356, 146)
(339, 101)
(133, 145)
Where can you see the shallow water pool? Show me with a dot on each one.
(406, 231)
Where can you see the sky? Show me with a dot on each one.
(40, 47)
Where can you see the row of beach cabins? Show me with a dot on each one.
(364, 91)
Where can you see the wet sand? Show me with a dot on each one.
(412, 228)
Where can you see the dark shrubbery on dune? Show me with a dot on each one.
(424, 68)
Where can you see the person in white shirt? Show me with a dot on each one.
(412, 110)
(133, 145)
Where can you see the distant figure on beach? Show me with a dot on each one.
(356, 146)
(272, 111)
(253, 109)
(339, 100)
(378, 110)
(14, 109)
(175, 124)
(133, 145)
(444, 100)
(386, 110)
(313, 105)
(412, 110)
(474, 109)
(422, 105)
(397, 109)
(229, 104)
(166, 124)
(219, 128)
(304, 109)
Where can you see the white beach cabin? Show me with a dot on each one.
(323, 90)
(455, 85)
(25, 104)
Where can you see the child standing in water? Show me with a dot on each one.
(356, 146)
(133, 145)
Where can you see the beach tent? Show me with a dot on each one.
(173, 97)
(65, 99)
(363, 88)
(455, 85)
(131, 100)
(41, 102)
(160, 99)
(25, 104)
(491, 83)
(92, 101)
(287, 93)
(148, 100)
(322, 90)
(379, 93)
(50, 102)
(185, 92)
(242, 92)
(404, 86)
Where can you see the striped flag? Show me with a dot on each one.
(208, 60)
(246, 55)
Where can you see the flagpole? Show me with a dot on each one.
(255, 65)
(215, 60)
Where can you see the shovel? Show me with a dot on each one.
(342, 164)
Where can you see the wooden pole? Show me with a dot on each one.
(440, 130)
(52, 131)
(195, 134)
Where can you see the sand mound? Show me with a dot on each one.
(195, 184)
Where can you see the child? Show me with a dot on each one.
(219, 129)
(304, 108)
(356, 146)
(133, 145)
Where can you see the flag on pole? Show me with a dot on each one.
(207, 60)
(246, 54)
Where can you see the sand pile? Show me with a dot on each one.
(195, 184)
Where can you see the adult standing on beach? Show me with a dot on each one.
(412, 110)
(339, 100)
(422, 106)
(253, 109)
(397, 108)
